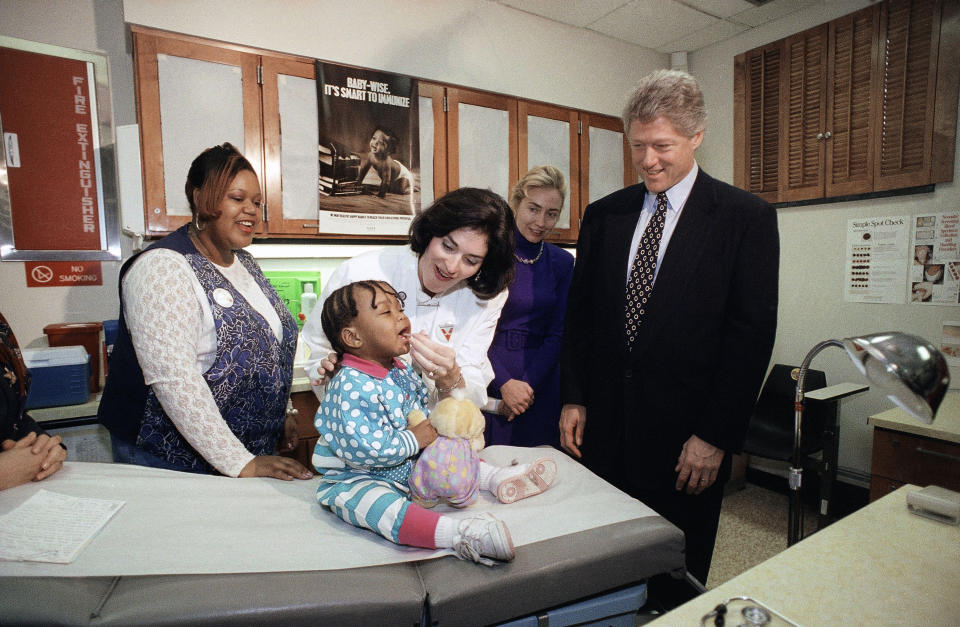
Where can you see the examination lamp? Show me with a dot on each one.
(908, 368)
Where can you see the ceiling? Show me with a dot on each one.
(664, 25)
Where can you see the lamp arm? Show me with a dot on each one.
(795, 527)
(798, 399)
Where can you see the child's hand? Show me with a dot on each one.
(425, 433)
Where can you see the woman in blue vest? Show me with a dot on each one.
(201, 370)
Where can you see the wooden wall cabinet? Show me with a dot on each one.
(193, 93)
(306, 404)
(862, 104)
(492, 139)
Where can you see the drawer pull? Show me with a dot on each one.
(926, 451)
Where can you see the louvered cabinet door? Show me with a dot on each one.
(909, 42)
(851, 108)
(757, 111)
(804, 98)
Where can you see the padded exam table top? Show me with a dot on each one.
(630, 544)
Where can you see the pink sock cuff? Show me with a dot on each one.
(419, 527)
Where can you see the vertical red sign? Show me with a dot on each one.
(47, 108)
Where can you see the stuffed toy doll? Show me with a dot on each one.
(448, 469)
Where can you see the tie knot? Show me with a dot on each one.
(661, 200)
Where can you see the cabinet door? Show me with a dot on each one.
(290, 145)
(909, 42)
(804, 103)
(548, 136)
(481, 140)
(190, 96)
(757, 120)
(433, 143)
(605, 164)
(851, 108)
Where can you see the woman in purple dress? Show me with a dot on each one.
(525, 351)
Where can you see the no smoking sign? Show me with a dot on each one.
(63, 273)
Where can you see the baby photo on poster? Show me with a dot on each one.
(368, 150)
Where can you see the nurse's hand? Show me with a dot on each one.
(517, 398)
(324, 370)
(573, 421)
(439, 362)
(275, 466)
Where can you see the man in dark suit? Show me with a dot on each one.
(660, 378)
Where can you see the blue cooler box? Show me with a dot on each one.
(614, 609)
(61, 376)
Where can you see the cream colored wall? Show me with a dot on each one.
(813, 239)
(474, 43)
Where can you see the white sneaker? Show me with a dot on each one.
(483, 536)
(526, 482)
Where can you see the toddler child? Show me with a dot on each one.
(365, 446)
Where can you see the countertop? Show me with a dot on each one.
(945, 426)
(881, 565)
(89, 409)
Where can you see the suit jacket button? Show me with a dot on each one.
(628, 373)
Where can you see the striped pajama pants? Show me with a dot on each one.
(367, 502)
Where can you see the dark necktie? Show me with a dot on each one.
(644, 268)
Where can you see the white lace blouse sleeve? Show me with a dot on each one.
(165, 321)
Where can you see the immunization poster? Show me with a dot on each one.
(369, 151)
(935, 259)
(876, 259)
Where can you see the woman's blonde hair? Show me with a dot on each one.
(538, 176)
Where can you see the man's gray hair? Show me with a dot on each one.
(672, 94)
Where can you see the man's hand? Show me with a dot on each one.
(698, 465)
(573, 420)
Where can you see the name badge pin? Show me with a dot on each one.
(223, 297)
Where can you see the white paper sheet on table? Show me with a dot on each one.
(179, 523)
(52, 527)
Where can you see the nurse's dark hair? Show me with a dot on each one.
(481, 210)
(340, 308)
(209, 178)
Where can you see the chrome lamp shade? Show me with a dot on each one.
(909, 369)
(912, 372)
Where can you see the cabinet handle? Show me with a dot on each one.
(819, 135)
(926, 451)
(828, 134)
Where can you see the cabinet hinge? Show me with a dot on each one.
(445, 106)
(263, 209)
(259, 75)
(579, 127)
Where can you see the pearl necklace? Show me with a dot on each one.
(529, 262)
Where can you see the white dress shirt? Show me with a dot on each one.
(676, 199)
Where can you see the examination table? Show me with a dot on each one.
(197, 549)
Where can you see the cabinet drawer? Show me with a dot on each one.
(915, 459)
